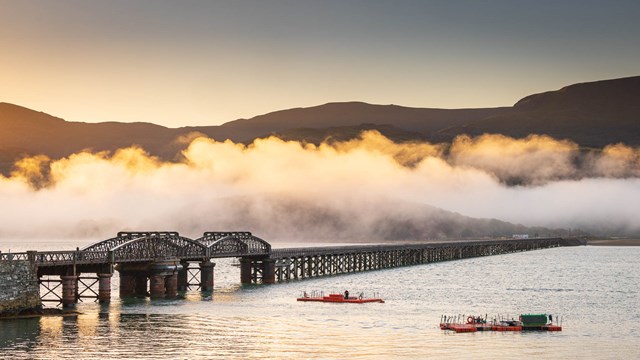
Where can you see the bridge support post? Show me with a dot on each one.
(133, 279)
(268, 271)
(171, 285)
(104, 288)
(69, 291)
(246, 271)
(127, 285)
(141, 284)
(206, 275)
(77, 288)
(156, 287)
(163, 278)
(183, 277)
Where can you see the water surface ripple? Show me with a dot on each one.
(594, 290)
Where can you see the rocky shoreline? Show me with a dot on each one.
(33, 313)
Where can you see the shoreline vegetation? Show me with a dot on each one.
(613, 242)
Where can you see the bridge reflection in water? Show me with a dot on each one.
(159, 264)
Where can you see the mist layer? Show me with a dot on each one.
(370, 188)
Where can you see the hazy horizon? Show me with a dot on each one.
(367, 188)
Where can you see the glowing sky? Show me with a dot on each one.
(180, 63)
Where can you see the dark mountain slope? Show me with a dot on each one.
(30, 132)
(592, 114)
(348, 114)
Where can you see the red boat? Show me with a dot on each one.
(339, 298)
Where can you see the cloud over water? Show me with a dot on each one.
(367, 188)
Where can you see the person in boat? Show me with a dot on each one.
(346, 294)
(550, 319)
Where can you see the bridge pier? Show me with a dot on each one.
(127, 285)
(69, 285)
(254, 271)
(171, 285)
(206, 275)
(246, 271)
(268, 271)
(104, 288)
(156, 286)
(141, 285)
(183, 276)
(163, 279)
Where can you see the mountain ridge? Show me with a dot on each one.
(592, 114)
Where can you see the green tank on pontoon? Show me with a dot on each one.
(534, 319)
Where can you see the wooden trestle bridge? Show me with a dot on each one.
(159, 264)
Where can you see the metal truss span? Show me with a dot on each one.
(234, 244)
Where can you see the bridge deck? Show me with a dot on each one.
(352, 249)
(92, 257)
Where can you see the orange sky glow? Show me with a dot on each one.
(205, 63)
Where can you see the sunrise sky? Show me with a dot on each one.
(180, 63)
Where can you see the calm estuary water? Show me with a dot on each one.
(594, 289)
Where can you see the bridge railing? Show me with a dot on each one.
(322, 250)
(328, 250)
(92, 257)
(13, 256)
(71, 257)
(56, 258)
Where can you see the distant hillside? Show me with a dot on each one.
(344, 133)
(284, 218)
(591, 114)
(26, 131)
(348, 114)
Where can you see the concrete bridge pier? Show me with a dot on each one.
(133, 279)
(141, 285)
(206, 275)
(268, 271)
(253, 271)
(69, 286)
(183, 276)
(246, 271)
(104, 288)
(171, 285)
(127, 284)
(163, 278)
(156, 286)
